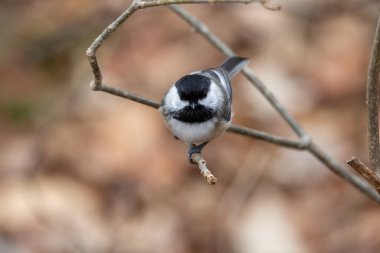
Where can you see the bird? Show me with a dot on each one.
(198, 107)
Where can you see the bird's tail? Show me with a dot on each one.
(233, 65)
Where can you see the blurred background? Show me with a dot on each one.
(84, 171)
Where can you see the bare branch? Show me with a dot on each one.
(281, 141)
(127, 95)
(305, 139)
(154, 3)
(278, 140)
(91, 51)
(372, 101)
(136, 4)
(197, 158)
(305, 142)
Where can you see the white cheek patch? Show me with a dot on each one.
(214, 97)
(173, 100)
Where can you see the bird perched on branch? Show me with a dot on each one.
(197, 108)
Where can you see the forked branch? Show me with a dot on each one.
(304, 142)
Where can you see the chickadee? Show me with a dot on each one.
(197, 108)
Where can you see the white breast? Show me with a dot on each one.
(197, 132)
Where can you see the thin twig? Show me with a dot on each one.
(281, 141)
(127, 95)
(135, 5)
(206, 173)
(365, 172)
(154, 3)
(372, 101)
(91, 51)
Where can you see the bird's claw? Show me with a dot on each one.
(191, 151)
(195, 150)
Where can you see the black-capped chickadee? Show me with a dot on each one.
(197, 108)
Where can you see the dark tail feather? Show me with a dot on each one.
(233, 65)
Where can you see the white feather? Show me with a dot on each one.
(214, 97)
(221, 79)
(195, 133)
(173, 101)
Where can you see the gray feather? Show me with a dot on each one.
(234, 65)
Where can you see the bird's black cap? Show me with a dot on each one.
(193, 87)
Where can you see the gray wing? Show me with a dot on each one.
(234, 65)
(220, 77)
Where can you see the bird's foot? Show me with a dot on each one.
(195, 150)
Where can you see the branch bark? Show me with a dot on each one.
(305, 142)
(206, 173)
(365, 172)
(372, 174)
(372, 101)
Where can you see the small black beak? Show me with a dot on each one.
(193, 104)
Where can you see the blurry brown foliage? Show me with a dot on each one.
(89, 172)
